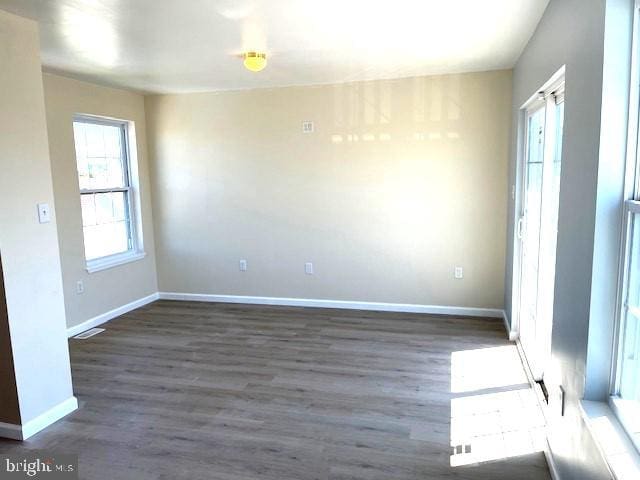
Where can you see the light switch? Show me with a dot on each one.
(243, 265)
(308, 268)
(458, 273)
(44, 214)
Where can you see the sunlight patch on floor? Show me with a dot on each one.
(473, 370)
(496, 415)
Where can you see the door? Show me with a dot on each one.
(529, 232)
(538, 227)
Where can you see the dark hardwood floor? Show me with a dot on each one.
(180, 390)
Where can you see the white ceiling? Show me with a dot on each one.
(193, 45)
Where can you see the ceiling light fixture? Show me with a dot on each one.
(255, 61)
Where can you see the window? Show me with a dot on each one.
(625, 400)
(106, 192)
(629, 387)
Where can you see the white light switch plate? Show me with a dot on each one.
(44, 214)
(243, 265)
(458, 273)
(308, 268)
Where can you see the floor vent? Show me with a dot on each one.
(461, 449)
(89, 333)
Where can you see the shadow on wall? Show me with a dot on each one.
(363, 112)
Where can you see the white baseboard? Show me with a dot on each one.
(513, 335)
(340, 304)
(22, 432)
(10, 430)
(548, 455)
(553, 468)
(110, 315)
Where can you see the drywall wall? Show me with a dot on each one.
(104, 290)
(399, 182)
(590, 168)
(30, 254)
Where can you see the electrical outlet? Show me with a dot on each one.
(307, 126)
(458, 273)
(80, 287)
(243, 265)
(308, 268)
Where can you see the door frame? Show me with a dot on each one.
(537, 100)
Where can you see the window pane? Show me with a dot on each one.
(99, 155)
(88, 204)
(630, 361)
(104, 220)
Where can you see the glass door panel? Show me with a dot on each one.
(539, 231)
(548, 240)
(532, 210)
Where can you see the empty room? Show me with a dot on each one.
(333, 240)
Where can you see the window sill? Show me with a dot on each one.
(628, 414)
(614, 444)
(113, 261)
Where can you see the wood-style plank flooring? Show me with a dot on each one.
(180, 390)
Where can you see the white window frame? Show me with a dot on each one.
(133, 215)
(628, 417)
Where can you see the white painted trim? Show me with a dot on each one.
(22, 432)
(48, 418)
(112, 261)
(616, 448)
(9, 430)
(340, 304)
(553, 467)
(513, 335)
(110, 315)
(628, 414)
(289, 302)
(548, 455)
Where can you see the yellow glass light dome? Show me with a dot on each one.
(255, 61)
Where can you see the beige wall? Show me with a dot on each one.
(401, 181)
(112, 288)
(30, 252)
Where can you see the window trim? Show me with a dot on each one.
(110, 261)
(629, 208)
(134, 228)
